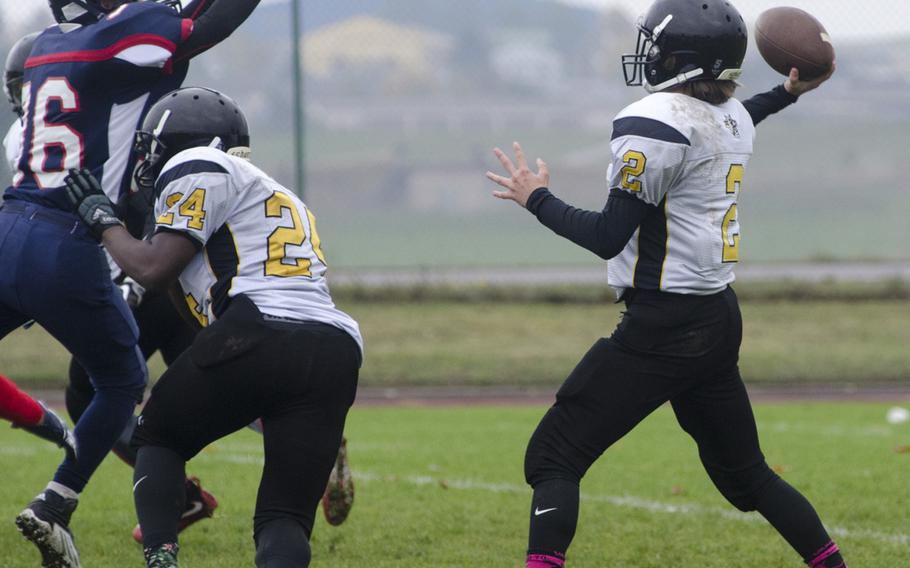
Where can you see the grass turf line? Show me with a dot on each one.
(444, 487)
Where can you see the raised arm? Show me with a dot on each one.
(213, 22)
(763, 105)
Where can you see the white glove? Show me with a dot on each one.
(132, 292)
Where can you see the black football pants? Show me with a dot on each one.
(301, 378)
(668, 347)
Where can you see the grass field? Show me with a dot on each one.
(534, 343)
(444, 487)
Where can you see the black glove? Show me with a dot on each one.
(90, 202)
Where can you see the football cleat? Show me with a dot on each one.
(53, 429)
(339, 492)
(45, 522)
(200, 504)
(164, 556)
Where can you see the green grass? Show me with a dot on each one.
(534, 343)
(444, 487)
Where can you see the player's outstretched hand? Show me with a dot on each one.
(521, 181)
(89, 202)
(796, 87)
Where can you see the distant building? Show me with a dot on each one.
(396, 55)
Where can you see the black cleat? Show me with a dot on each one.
(45, 522)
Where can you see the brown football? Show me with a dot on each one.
(789, 37)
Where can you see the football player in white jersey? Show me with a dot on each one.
(671, 233)
(250, 268)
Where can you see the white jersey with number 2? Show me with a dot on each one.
(255, 238)
(687, 158)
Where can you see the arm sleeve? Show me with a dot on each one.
(213, 22)
(763, 105)
(604, 233)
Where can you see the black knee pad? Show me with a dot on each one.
(741, 487)
(282, 543)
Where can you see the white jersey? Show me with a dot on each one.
(12, 144)
(687, 158)
(255, 237)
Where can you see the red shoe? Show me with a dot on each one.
(339, 492)
(200, 504)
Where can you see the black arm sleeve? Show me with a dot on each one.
(763, 105)
(213, 22)
(605, 233)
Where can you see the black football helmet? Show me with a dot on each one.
(187, 118)
(15, 69)
(80, 11)
(687, 40)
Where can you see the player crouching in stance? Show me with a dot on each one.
(671, 232)
(251, 270)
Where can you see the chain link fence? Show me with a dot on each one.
(404, 100)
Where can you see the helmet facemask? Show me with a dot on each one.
(647, 52)
(13, 88)
(150, 153)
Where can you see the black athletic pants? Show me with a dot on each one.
(668, 347)
(301, 378)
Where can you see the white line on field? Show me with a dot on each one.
(624, 501)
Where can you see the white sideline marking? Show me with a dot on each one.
(624, 501)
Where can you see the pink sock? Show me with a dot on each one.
(545, 561)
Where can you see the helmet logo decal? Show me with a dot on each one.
(242, 152)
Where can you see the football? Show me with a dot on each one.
(790, 37)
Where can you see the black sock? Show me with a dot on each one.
(282, 543)
(796, 520)
(554, 515)
(159, 493)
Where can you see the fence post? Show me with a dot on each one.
(299, 116)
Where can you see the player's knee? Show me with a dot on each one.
(742, 487)
(542, 462)
(282, 543)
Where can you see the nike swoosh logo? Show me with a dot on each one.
(138, 482)
(538, 512)
(195, 507)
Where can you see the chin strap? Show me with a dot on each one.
(678, 80)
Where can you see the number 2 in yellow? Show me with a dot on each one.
(294, 235)
(731, 237)
(635, 166)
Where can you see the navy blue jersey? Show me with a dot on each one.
(85, 92)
